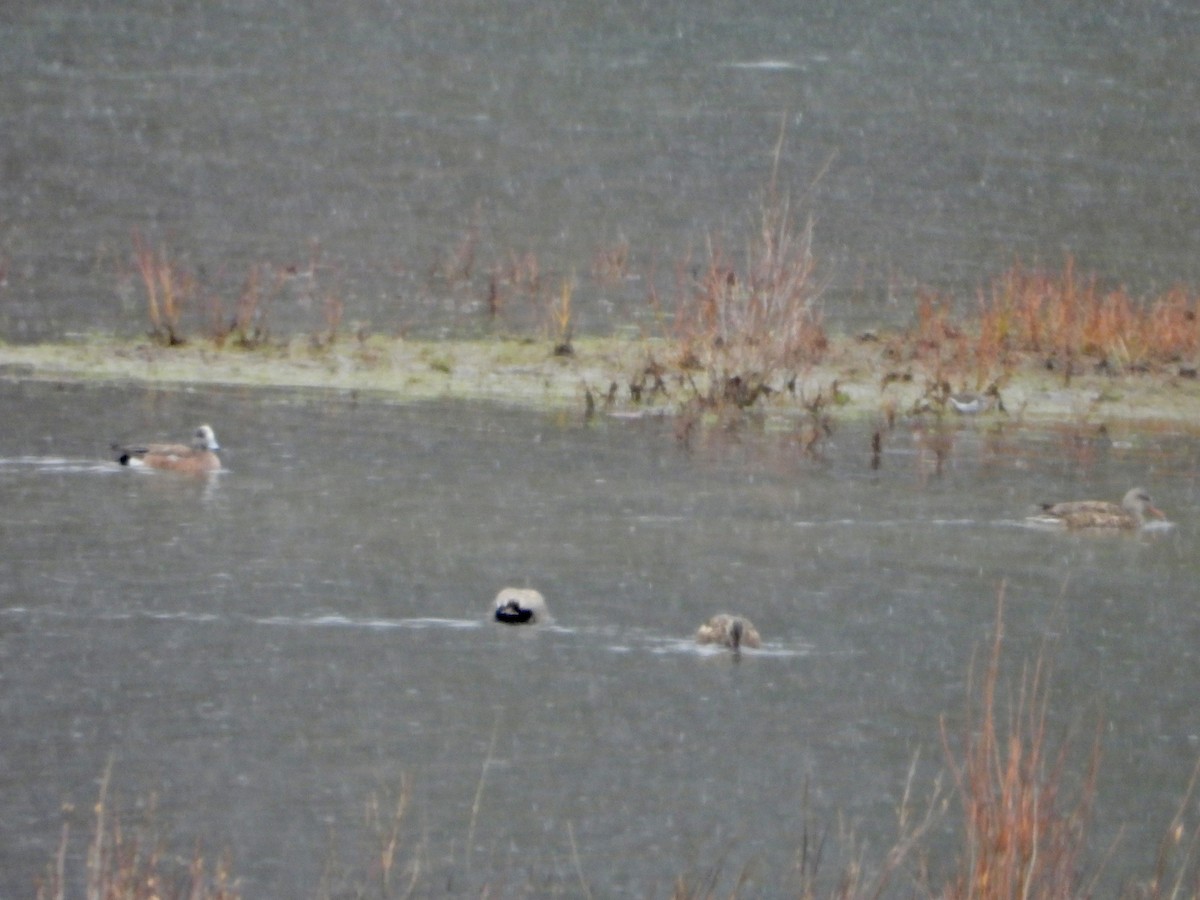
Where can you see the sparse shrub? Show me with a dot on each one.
(333, 308)
(130, 864)
(517, 273)
(457, 264)
(751, 329)
(610, 264)
(560, 318)
(168, 289)
(1022, 835)
(249, 325)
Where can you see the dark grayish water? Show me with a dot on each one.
(953, 137)
(265, 650)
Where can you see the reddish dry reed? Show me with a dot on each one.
(1066, 318)
(752, 329)
(513, 275)
(248, 325)
(1022, 835)
(610, 263)
(559, 318)
(125, 865)
(457, 263)
(393, 866)
(168, 288)
(1060, 320)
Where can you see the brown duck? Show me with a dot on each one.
(1129, 514)
(730, 631)
(198, 456)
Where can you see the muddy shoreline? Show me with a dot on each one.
(619, 375)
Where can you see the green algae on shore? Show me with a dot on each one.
(612, 371)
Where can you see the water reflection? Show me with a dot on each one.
(266, 648)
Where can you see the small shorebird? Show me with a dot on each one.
(729, 631)
(198, 456)
(520, 606)
(1129, 514)
(969, 403)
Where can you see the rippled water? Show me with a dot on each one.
(944, 139)
(265, 650)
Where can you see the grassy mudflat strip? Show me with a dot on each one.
(854, 378)
(513, 371)
(739, 335)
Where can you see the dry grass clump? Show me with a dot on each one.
(127, 864)
(610, 263)
(386, 871)
(455, 264)
(1175, 875)
(1022, 835)
(168, 289)
(248, 325)
(1025, 813)
(1066, 318)
(512, 275)
(1057, 320)
(751, 329)
(559, 318)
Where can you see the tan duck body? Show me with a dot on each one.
(198, 456)
(729, 631)
(1129, 514)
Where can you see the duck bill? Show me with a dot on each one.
(1156, 512)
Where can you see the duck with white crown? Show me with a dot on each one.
(520, 606)
(197, 457)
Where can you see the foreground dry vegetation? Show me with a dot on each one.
(1024, 805)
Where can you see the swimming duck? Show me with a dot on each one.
(1130, 513)
(198, 456)
(520, 606)
(730, 631)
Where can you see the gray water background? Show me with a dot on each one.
(933, 143)
(266, 650)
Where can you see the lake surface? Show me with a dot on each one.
(933, 143)
(266, 650)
